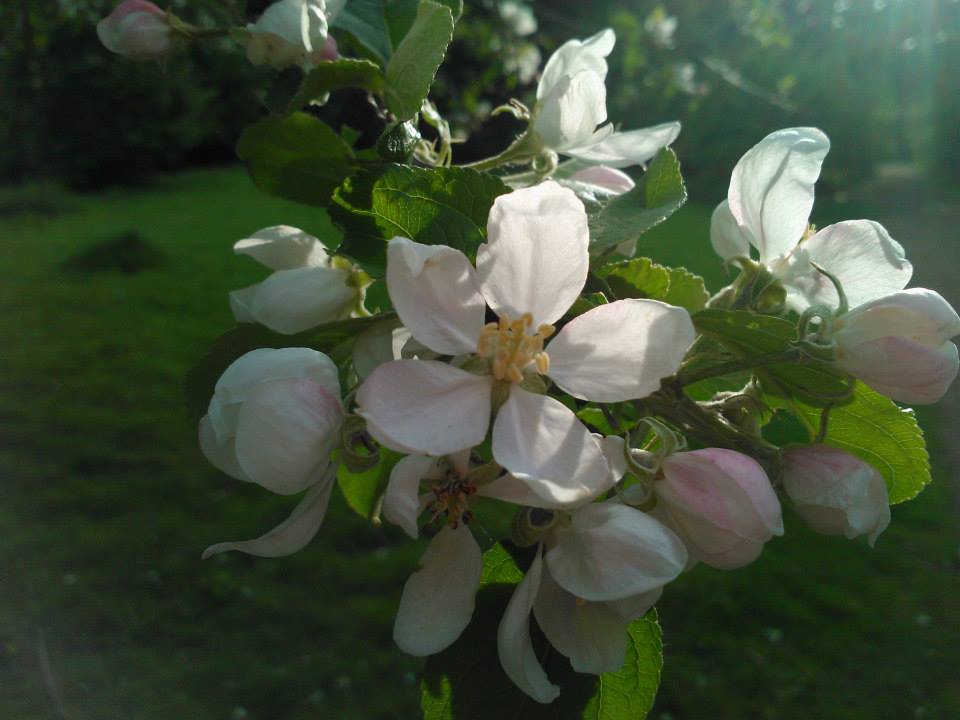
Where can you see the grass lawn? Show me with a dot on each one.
(105, 505)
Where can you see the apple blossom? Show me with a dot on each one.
(529, 272)
(274, 418)
(572, 105)
(307, 288)
(137, 29)
(836, 492)
(768, 208)
(900, 345)
(293, 32)
(720, 503)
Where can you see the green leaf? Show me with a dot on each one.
(200, 380)
(643, 278)
(362, 491)
(413, 66)
(466, 682)
(656, 197)
(440, 206)
(492, 520)
(296, 157)
(335, 75)
(880, 432)
(401, 14)
(365, 21)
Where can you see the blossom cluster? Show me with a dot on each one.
(479, 379)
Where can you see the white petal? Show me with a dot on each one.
(282, 247)
(514, 645)
(424, 406)
(614, 450)
(541, 442)
(435, 294)
(568, 117)
(591, 634)
(635, 606)
(378, 344)
(240, 302)
(620, 351)
(222, 454)
(611, 551)
(401, 502)
(439, 598)
(771, 188)
(292, 534)
(574, 56)
(633, 147)
(291, 301)
(535, 259)
(860, 253)
(285, 433)
(729, 240)
(600, 180)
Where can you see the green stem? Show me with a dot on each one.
(734, 366)
(520, 150)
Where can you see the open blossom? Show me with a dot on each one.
(836, 492)
(529, 272)
(768, 208)
(137, 29)
(900, 345)
(293, 32)
(721, 504)
(572, 105)
(307, 288)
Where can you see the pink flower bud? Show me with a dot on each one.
(136, 29)
(836, 492)
(900, 345)
(610, 179)
(720, 503)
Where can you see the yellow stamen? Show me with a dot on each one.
(512, 347)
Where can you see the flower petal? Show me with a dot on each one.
(541, 442)
(633, 147)
(425, 406)
(574, 56)
(294, 533)
(620, 351)
(860, 253)
(435, 294)
(771, 188)
(286, 431)
(535, 259)
(222, 454)
(612, 551)
(438, 599)
(514, 645)
(568, 117)
(728, 239)
(591, 634)
(240, 302)
(282, 247)
(291, 301)
(401, 502)
(599, 180)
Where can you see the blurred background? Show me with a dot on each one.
(119, 204)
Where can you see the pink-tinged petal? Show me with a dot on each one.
(401, 502)
(903, 370)
(591, 634)
(859, 253)
(292, 301)
(222, 453)
(434, 292)
(282, 247)
(541, 442)
(535, 259)
(729, 240)
(425, 406)
(254, 367)
(633, 147)
(620, 351)
(612, 551)
(294, 533)
(575, 56)
(514, 645)
(608, 179)
(438, 599)
(636, 606)
(771, 188)
(286, 431)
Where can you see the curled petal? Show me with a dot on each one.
(438, 599)
(568, 117)
(292, 301)
(602, 179)
(620, 351)
(425, 406)
(222, 454)
(633, 147)
(401, 502)
(728, 239)
(575, 56)
(282, 247)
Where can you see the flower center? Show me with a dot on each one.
(452, 496)
(511, 346)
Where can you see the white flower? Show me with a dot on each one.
(137, 29)
(306, 289)
(900, 345)
(274, 418)
(572, 104)
(293, 32)
(529, 272)
(768, 207)
(835, 492)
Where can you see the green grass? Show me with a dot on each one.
(106, 503)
